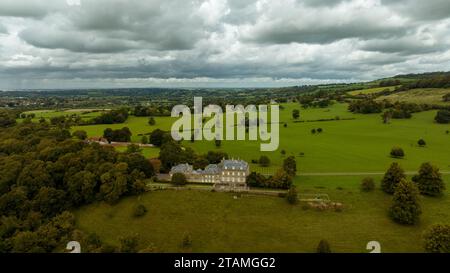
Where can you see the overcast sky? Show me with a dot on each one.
(225, 43)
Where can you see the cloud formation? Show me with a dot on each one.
(107, 43)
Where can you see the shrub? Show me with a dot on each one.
(323, 247)
(264, 161)
(80, 134)
(437, 239)
(429, 180)
(295, 113)
(313, 131)
(319, 130)
(443, 116)
(151, 121)
(133, 148)
(421, 143)
(187, 240)
(129, 244)
(367, 184)
(405, 208)
(282, 194)
(179, 179)
(397, 152)
(292, 195)
(290, 166)
(144, 140)
(139, 210)
(446, 97)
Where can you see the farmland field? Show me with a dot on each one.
(219, 223)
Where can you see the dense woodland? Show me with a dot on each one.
(44, 173)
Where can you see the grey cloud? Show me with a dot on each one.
(114, 26)
(74, 41)
(29, 8)
(299, 23)
(404, 46)
(316, 34)
(3, 29)
(103, 42)
(316, 3)
(421, 10)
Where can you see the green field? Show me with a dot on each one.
(358, 145)
(422, 95)
(219, 223)
(371, 90)
(83, 113)
(137, 125)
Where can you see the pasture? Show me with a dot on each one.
(219, 223)
(354, 143)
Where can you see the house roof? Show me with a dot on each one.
(233, 164)
(225, 164)
(182, 168)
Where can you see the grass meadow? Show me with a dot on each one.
(219, 223)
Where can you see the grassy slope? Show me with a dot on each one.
(219, 223)
(371, 90)
(425, 95)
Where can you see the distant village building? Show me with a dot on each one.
(228, 175)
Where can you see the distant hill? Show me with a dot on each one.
(427, 75)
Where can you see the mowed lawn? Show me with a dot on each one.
(219, 223)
